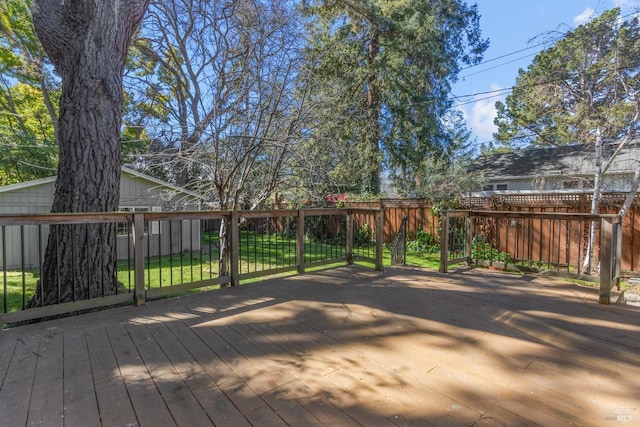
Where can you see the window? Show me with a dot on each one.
(124, 228)
(496, 187)
(571, 184)
(578, 183)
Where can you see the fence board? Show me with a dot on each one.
(422, 218)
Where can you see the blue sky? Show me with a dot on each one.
(512, 26)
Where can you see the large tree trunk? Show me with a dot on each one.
(371, 150)
(87, 41)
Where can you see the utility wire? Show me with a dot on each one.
(499, 92)
(519, 51)
(502, 56)
(499, 65)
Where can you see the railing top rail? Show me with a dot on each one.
(110, 217)
(155, 216)
(306, 211)
(275, 213)
(65, 218)
(538, 215)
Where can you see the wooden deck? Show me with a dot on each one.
(346, 346)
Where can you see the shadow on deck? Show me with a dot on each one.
(346, 346)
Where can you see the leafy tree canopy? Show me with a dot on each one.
(583, 87)
(29, 93)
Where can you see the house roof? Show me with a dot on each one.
(26, 184)
(570, 160)
(125, 170)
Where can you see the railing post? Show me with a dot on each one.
(606, 259)
(444, 241)
(379, 239)
(469, 238)
(234, 246)
(300, 232)
(349, 242)
(405, 221)
(618, 251)
(138, 259)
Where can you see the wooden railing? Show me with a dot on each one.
(555, 243)
(163, 253)
(423, 217)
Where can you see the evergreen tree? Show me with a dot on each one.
(389, 65)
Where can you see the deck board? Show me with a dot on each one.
(47, 402)
(80, 404)
(17, 379)
(150, 407)
(114, 404)
(342, 347)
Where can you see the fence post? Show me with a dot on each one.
(138, 259)
(608, 235)
(349, 242)
(379, 239)
(300, 232)
(234, 246)
(444, 241)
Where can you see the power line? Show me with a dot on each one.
(532, 47)
(499, 92)
(499, 65)
(481, 99)
(489, 92)
(522, 50)
(502, 56)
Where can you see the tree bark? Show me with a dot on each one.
(87, 41)
(371, 152)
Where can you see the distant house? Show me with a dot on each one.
(138, 193)
(564, 168)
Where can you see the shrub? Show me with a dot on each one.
(363, 236)
(483, 250)
(423, 242)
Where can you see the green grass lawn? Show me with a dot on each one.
(258, 252)
(431, 261)
(12, 283)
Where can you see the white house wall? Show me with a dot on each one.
(25, 245)
(610, 183)
(136, 191)
(180, 236)
(34, 200)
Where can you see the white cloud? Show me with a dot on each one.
(587, 15)
(480, 117)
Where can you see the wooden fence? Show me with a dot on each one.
(555, 243)
(421, 217)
